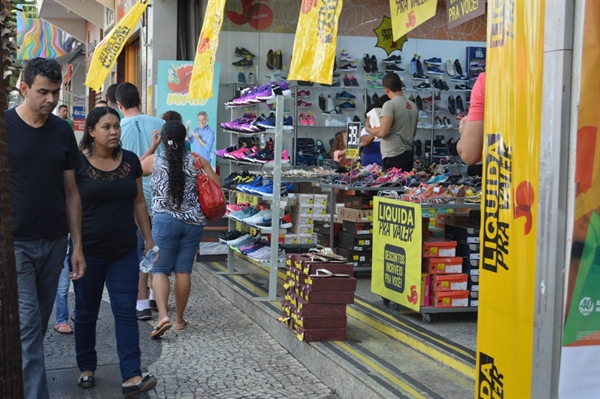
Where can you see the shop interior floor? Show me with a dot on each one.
(390, 351)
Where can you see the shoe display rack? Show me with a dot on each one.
(276, 202)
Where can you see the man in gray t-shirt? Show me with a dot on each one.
(399, 118)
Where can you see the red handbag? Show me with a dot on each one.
(210, 196)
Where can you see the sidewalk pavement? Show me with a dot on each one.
(221, 354)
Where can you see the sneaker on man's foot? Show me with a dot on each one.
(145, 314)
(153, 305)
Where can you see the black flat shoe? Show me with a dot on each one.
(148, 383)
(86, 382)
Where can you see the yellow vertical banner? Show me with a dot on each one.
(408, 14)
(513, 107)
(201, 82)
(107, 51)
(316, 40)
(397, 251)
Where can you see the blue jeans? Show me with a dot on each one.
(177, 243)
(62, 294)
(39, 263)
(121, 277)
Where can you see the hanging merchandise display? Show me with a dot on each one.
(509, 211)
(313, 57)
(108, 50)
(579, 366)
(201, 83)
(407, 15)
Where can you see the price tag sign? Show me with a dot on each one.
(353, 140)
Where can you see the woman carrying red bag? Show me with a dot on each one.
(177, 221)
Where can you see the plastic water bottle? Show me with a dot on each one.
(263, 141)
(149, 259)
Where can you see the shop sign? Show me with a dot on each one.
(579, 366)
(254, 13)
(461, 11)
(78, 117)
(409, 14)
(107, 51)
(384, 37)
(397, 251)
(201, 80)
(352, 140)
(171, 92)
(316, 40)
(505, 329)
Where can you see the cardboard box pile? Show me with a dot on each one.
(467, 236)
(356, 237)
(314, 306)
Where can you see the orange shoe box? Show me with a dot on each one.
(439, 248)
(450, 299)
(443, 265)
(449, 282)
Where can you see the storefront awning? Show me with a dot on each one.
(62, 18)
(39, 38)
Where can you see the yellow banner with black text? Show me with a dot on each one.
(397, 251)
(509, 211)
(108, 50)
(316, 40)
(201, 82)
(408, 14)
(461, 11)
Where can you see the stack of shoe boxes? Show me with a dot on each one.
(442, 274)
(302, 230)
(314, 306)
(356, 237)
(467, 236)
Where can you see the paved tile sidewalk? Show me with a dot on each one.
(221, 354)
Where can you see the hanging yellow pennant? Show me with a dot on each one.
(407, 15)
(201, 83)
(314, 53)
(107, 51)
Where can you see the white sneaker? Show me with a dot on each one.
(438, 124)
(450, 69)
(261, 217)
(348, 120)
(423, 114)
(424, 125)
(333, 122)
(330, 103)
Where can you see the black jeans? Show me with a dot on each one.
(404, 161)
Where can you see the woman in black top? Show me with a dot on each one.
(110, 184)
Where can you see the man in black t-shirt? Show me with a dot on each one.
(46, 206)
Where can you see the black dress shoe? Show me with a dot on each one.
(86, 382)
(148, 383)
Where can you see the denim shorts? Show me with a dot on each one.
(177, 242)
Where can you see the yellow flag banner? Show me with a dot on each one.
(201, 82)
(107, 51)
(408, 14)
(314, 53)
(509, 211)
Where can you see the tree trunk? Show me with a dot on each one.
(11, 376)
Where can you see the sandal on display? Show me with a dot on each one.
(148, 383)
(63, 328)
(160, 330)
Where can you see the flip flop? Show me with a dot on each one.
(64, 326)
(185, 324)
(159, 331)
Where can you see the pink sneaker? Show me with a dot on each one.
(311, 120)
(237, 207)
(221, 153)
(303, 119)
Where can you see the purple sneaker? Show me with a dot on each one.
(253, 98)
(221, 153)
(266, 93)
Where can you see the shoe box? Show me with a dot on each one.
(323, 227)
(449, 282)
(356, 243)
(469, 251)
(425, 290)
(323, 239)
(450, 299)
(320, 200)
(314, 306)
(357, 228)
(462, 233)
(442, 219)
(359, 201)
(449, 265)
(475, 217)
(471, 263)
(355, 215)
(436, 247)
(358, 259)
